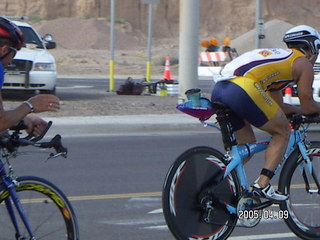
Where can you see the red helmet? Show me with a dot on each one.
(12, 32)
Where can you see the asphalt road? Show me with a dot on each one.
(115, 183)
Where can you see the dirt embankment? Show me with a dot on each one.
(86, 51)
(81, 29)
(217, 18)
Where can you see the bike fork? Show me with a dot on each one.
(16, 202)
(309, 165)
(12, 217)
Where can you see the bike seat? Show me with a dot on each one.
(220, 108)
(219, 105)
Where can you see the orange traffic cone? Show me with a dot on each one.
(288, 95)
(167, 71)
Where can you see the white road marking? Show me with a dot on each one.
(76, 87)
(155, 221)
(263, 236)
(159, 210)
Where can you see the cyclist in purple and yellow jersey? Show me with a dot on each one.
(251, 85)
(11, 41)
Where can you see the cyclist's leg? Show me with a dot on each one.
(249, 101)
(278, 128)
(245, 135)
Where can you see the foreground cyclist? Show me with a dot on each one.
(11, 41)
(251, 86)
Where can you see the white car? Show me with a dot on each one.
(33, 68)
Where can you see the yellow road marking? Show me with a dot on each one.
(98, 197)
(123, 195)
(132, 195)
(114, 196)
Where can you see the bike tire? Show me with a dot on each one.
(47, 209)
(302, 207)
(184, 181)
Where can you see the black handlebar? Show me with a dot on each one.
(44, 132)
(297, 119)
(54, 143)
(13, 141)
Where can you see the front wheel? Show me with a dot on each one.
(183, 190)
(302, 210)
(47, 209)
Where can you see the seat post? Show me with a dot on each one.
(228, 137)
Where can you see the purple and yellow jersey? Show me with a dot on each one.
(245, 81)
(272, 68)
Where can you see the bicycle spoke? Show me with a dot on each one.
(48, 212)
(305, 201)
(303, 188)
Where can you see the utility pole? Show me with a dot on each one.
(150, 29)
(259, 24)
(189, 45)
(112, 38)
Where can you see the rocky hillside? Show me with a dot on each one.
(81, 29)
(218, 18)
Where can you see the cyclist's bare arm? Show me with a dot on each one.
(40, 103)
(286, 108)
(304, 75)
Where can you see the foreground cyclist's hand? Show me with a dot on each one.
(35, 125)
(45, 103)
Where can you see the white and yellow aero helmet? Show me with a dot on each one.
(303, 35)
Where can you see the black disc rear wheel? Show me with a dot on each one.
(189, 175)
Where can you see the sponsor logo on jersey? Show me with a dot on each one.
(265, 53)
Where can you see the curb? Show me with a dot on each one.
(132, 124)
(124, 124)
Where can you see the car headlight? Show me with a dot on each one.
(44, 67)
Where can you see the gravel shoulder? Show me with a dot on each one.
(90, 102)
(102, 103)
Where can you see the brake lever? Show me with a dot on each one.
(58, 147)
(60, 154)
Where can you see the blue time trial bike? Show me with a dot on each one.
(206, 192)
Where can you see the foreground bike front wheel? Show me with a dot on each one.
(302, 209)
(185, 183)
(48, 211)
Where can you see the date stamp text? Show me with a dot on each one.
(265, 213)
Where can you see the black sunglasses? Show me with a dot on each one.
(12, 49)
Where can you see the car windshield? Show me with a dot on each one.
(30, 37)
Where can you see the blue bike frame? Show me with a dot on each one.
(240, 152)
(8, 184)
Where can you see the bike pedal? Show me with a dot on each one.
(262, 205)
(210, 217)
